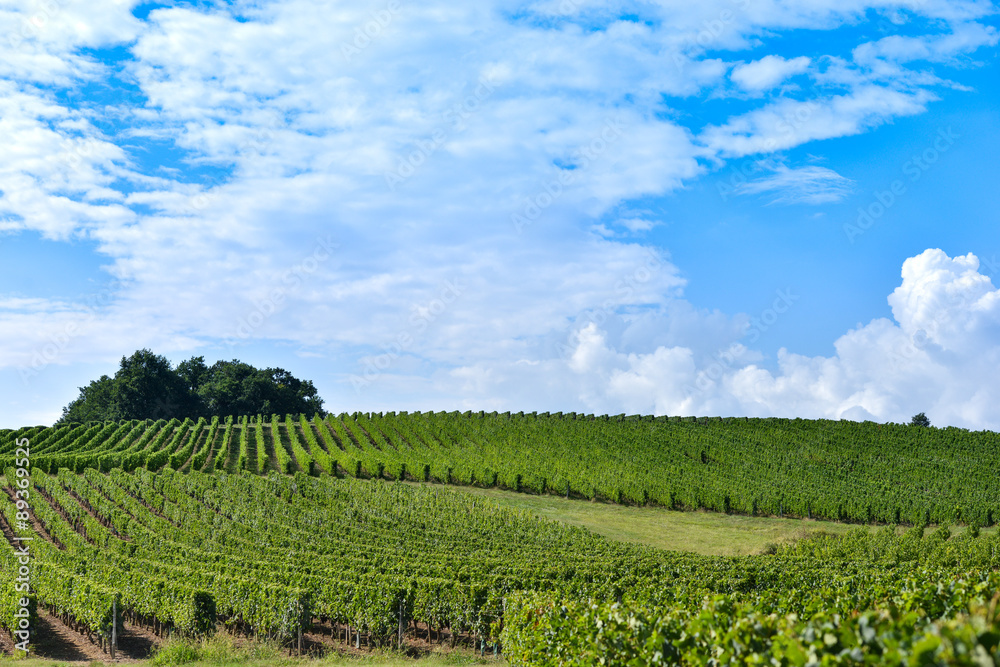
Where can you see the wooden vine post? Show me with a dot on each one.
(114, 627)
(402, 628)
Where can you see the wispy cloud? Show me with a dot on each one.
(801, 185)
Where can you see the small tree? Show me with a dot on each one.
(920, 419)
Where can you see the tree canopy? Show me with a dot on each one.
(146, 386)
(920, 419)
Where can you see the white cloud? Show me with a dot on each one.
(941, 356)
(40, 40)
(57, 171)
(304, 131)
(801, 185)
(965, 38)
(768, 72)
(947, 303)
(637, 224)
(294, 109)
(788, 123)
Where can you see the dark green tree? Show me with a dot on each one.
(95, 403)
(237, 388)
(194, 372)
(147, 387)
(920, 419)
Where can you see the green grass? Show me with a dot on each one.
(222, 651)
(707, 533)
(342, 661)
(700, 532)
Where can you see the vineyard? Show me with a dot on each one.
(834, 470)
(301, 530)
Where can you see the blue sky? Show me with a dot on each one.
(735, 207)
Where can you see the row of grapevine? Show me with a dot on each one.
(845, 471)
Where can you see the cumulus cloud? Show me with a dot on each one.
(939, 355)
(947, 303)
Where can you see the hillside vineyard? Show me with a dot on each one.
(279, 526)
(836, 470)
(375, 563)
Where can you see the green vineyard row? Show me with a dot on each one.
(835, 470)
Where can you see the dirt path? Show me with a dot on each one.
(137, 642)
(201, 442)
(272, 454)
(225, 434)
(251, 451)
(318, 438)
(57, 641)
(6, 644)
(232, 454)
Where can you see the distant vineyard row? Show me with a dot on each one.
(839, 470)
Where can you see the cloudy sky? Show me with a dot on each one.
(727, 207)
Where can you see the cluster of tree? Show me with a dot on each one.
(146, 386)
